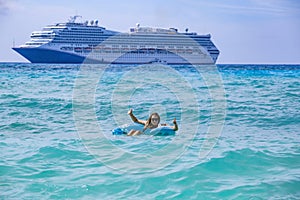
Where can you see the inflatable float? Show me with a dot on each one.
(159, 131)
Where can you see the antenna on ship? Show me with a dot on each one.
(13, 42)
(72, 19)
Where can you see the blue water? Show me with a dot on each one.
(54, 145)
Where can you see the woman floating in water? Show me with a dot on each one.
(151, 123)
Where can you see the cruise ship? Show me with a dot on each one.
(79, 42)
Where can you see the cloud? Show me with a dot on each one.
(250, 7)
(280, 6)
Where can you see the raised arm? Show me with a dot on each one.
(175, 127)
(134, 119)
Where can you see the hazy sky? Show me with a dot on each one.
(245, 31)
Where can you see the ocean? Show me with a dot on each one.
(238, 134)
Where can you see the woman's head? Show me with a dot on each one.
(153, 120)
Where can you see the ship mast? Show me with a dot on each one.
(73, 18)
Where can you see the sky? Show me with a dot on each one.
(245, 31)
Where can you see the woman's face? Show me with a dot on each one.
(154, 120)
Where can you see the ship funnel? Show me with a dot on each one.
(92, 22)
(96, 22)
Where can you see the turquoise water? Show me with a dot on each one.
(47, 154)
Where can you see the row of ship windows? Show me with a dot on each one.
(131, 40)
(73, 40)
(177, 46)
(132, 50)
(141, 52)
(122, 42)
(83, 33)
(83, 36)
(132, 37)
(128, 35)
(129, 45)
(142, 48)
(135, 35)
(143, 45)
(43, 36)
(120, 36)
(86, 29)
(34, 43)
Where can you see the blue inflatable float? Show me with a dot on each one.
(159, 131)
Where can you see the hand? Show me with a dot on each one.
(130, 111)
(174, 121)
(175, 128)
